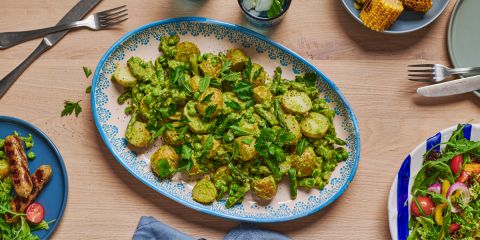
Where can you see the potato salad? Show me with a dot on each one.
(226, 122)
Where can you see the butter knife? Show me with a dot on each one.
(76, 13)
(449, 88)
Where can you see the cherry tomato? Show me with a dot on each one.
(456, 164)
(427, 205)
(35, 213)
(453, 227)
(463, 178)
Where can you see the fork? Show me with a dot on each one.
(98, 21)
(436, 72)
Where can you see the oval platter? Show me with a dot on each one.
(215, 36)
(54, 196)
(400, 193)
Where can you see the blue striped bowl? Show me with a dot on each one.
(400, 197)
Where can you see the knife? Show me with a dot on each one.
(76, 13)
(454, 87)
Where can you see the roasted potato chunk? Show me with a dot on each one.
(294, 127)
(305, 164)
(211, 66)
(204, 191)
(164, 161)
(215, 99)
(137, 134)
(238, 59)
(185, 50)
(246, 148)
(258, 76)
(265, 188)
(123, 76)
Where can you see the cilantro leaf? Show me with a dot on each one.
(88, 89)
(87, 71)
(71, 107)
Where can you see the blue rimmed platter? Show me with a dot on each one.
(54, 196)
(215, 36)
(400, 193)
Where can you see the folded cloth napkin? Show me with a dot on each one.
(150, 228)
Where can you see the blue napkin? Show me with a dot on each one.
(150, 228)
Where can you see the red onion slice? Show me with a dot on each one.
(436, 188)
(465, 193)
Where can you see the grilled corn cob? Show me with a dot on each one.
(379, 15)
(418, 5)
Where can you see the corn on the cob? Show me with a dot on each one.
(379, 15)
(418, 5)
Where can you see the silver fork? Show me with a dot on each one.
(436, 72)
(98, 21)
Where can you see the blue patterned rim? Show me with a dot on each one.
(404, 181)
(35, 129)
(234, 27)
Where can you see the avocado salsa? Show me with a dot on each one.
(223, 119)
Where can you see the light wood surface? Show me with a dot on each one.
(106, 202)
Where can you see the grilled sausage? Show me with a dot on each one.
(19, 204)
(17, 158)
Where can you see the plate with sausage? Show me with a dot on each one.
(33, 179)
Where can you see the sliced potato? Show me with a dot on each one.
(296, 102)
(238, 59)
(195, 124)
(204, 191)
(164, 153)
(195, 83)
(315, 125)
(123, 76)
(262, 94)
(185, 50)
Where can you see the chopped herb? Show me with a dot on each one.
(247, 140)
(233, 105)
(71, 107)
(88, 89)
(163, 168)
(31, 155)
(301, 146)
(204, 84)
(87, 71)
(243, 90)
(207, 98)
(275, 9)
(209, 112)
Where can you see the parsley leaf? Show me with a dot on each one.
(71, 107)
(209, 112)
(207, 98)
(232, 77)
(248, 69)
(275, 9)
(88, 89)
(226, 66)
(233, 105)
(87, 71)
(243, 90)
(204, 84)
(163, 168)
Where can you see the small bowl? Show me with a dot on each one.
(261, 21)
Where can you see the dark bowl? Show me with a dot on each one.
(261, 21)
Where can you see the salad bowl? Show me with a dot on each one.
(215, 36)
(400, 196)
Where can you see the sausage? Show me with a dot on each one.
(17, 158)
(39, 179)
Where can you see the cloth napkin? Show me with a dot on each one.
(150, 228)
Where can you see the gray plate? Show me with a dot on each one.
(464, 35)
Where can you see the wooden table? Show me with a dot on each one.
(106, 202)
